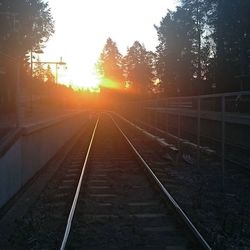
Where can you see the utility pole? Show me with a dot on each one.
(56, 63)
(31, 75)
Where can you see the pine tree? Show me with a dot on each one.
(175, 52)
(25, 25)
(109, 66)
(139, 70)
(232, 37)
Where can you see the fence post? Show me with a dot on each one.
(148, 113)
(179, 125)
(18, 93)
(167, 116)
(198, 130)
(155, 114)
(223, 138)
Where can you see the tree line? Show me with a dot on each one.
(204, 47)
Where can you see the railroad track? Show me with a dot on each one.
(116, 206)
(118, 203)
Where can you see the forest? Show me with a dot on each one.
(204, 48)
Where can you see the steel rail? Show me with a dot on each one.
(177, 208)
(73, 207)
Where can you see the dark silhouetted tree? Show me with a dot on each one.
(49, 77)
(109, 66)
(232, 38)
(175, 52)
(25, 25)
(139, 68)
(39, 71)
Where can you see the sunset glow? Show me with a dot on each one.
(82, 27)
(110, 84)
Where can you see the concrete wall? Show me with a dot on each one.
(35, 146)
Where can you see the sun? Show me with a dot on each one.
(80, 70)
(79, 76)
(85, 82)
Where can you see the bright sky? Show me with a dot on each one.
(83, 26)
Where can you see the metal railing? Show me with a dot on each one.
(214, 121)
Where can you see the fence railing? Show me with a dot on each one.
(218, 121)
